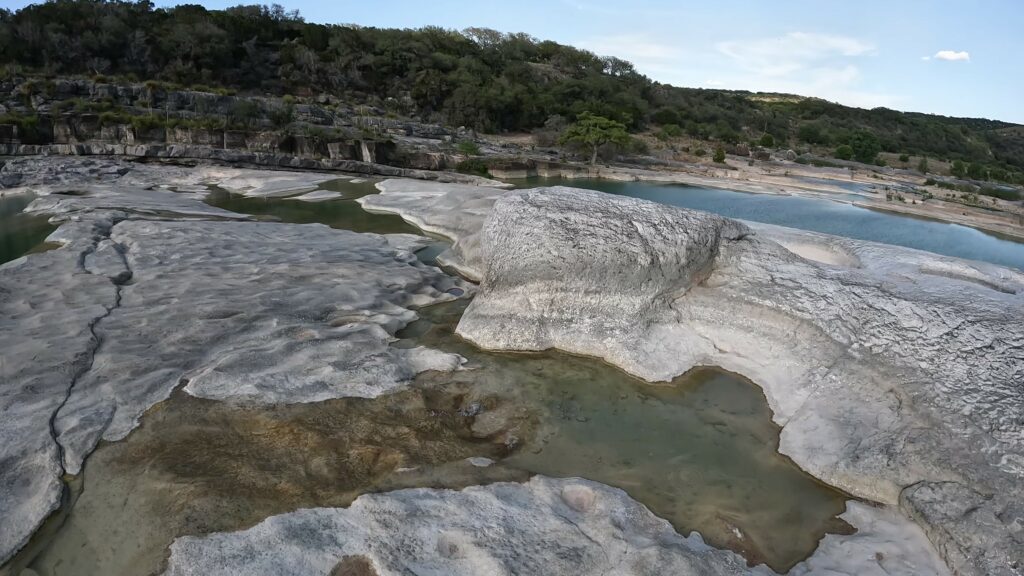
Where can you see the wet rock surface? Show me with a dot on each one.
(259, 359)
(544, 526)
(153, 290)
(882, 373)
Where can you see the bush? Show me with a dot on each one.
(665, 116)
(719, 155)
(113, 119)
(146, 123)
(700, 152)
(668, 131)
(468, 148)
(767, 141)
(473, 166)
(904, 158)
(844, 152)
(1001, 193)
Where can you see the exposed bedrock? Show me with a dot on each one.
(897, 374)
(544, 526)
(153, 290)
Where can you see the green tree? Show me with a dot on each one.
(719, 155)
(922, 166)
(844, 152)
(813, 133)
(865, 146)
(958, 169)
(592, 132)
(767, 140)
(977, 171)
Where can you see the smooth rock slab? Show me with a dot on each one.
(455, 211)
(545, 526)
(48, 305)
(260, 312)
(531, 528)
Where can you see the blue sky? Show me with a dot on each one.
(959, 59)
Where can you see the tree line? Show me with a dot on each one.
(479, 78)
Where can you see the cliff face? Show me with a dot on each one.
(78, 116)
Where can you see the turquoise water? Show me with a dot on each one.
(818, 215)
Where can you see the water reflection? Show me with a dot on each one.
(817, 215)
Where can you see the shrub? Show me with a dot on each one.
(904, 158)
(844, 152)
(767, 140)
(719, 155)
(700, 152)
(468, 148)
(473, 166)
(146, 123)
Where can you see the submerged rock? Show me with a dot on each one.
(885, 366)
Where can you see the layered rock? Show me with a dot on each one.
(545, 526)
(455, 212)
(896, 374)
(153, 290)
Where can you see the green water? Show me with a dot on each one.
(701, 452)
(343, 213)
(20, 234)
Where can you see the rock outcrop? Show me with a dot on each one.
(545, 526)
(896, 374)
(153, 290)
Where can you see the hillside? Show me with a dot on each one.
(478, 78)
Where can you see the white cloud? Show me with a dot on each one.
(953, 56)
(790, 53)
(926, 58)
(659, 60)
(804, 63)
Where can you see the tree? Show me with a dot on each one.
(958, 169)
(865, 146)
(767, 141)
(922, 166)
(844, 152)
(977, 171)
(719, 155)
(812, 133)
(593, 132)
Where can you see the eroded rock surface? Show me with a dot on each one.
(544, 526)
(453, 211)
(153, 290)
(887, 367)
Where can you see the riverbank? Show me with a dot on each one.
(866, 188)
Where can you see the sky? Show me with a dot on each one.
(943, 57)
